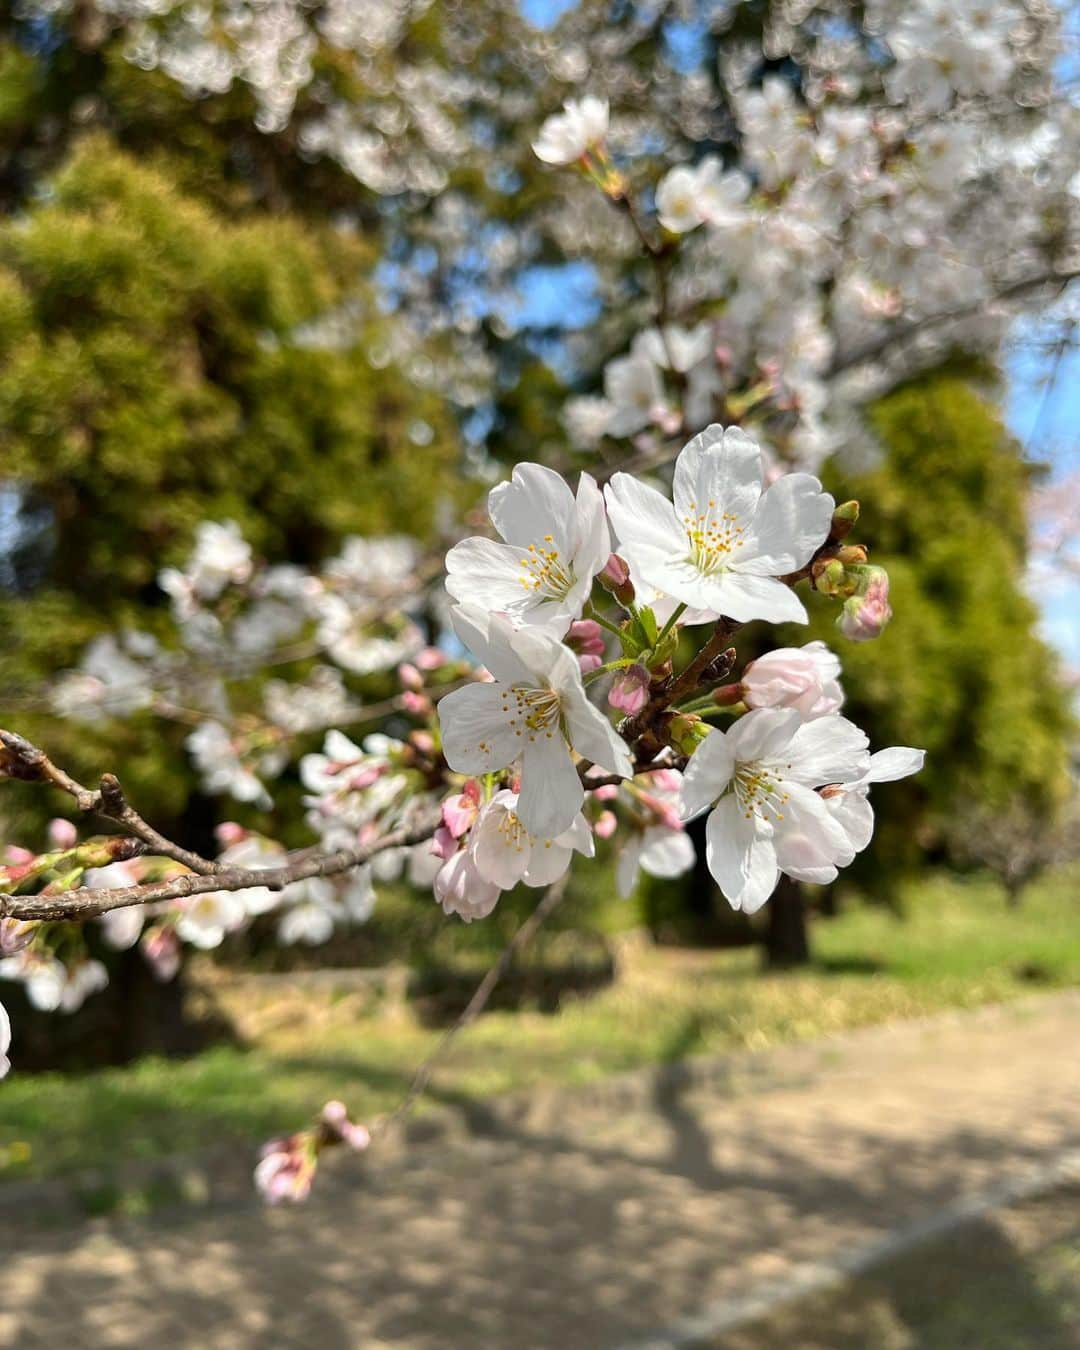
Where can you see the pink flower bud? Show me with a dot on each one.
(431, 658)
(865, 615)
(630, 692)
(62, 833)
(335, 1119)
(424, 741)
(409, 676)
(161, 950)
(616, 572)
(416, 704)
(805, 678)
(589, 663)
(586, 637)
(607, 793)
(605, 825)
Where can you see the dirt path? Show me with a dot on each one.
(595, 1221)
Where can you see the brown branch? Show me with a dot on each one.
(22, 760)
(91, 904)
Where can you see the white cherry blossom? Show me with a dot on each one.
(536, 709)
(758, 783)
(704, 195)
(504, 852)
(554, 544)
(206, 920)
(579, 128)
(724, 542)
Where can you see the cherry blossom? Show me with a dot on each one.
(724, 542)
(849, 802)
(579, 128)
(504, 852)
(655, 840)
(535, 708)
(757, 782)
(554, 544)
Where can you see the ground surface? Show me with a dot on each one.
(957, 946)
(597, 1221)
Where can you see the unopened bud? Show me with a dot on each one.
(630, 691)
(686, 731)
(615, 578)
(844, 520)
(728, 694)
(866, 613)
(831, 578)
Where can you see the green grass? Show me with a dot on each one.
(956, 946)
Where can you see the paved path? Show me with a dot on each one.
(594, 1221)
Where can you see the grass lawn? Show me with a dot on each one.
(957, 946)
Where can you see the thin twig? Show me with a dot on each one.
(475, 1006)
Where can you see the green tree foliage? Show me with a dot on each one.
(161, 363)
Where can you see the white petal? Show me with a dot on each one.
(667, 853)
(489, 637)
(593, 546)
(626, 865)
(579, 837)
(501, 855)
(855, 816)
(741, 856)
(810, 842)
(551, 791)
(488, 574)
(828, 750)
(640, 514)
(547, 862)
(898, 761)
(763, 734)
(792, 520)
(707, 775)
(535, 503)
(476, 731)
(722, 467)
(744, 597)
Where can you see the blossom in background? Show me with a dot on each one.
(805, 678)
(504, 852)
(5, 1041)
(222, 557)
(286, 1169)
(310, 908)
(654, 839)
(757, 782)
(534, 708)
(704, 195)
(222, 769)
(50, 985)
(205, 920)
(554, 544)
(724, 542)
(579, 128)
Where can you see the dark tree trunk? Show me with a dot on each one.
(787, 941)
